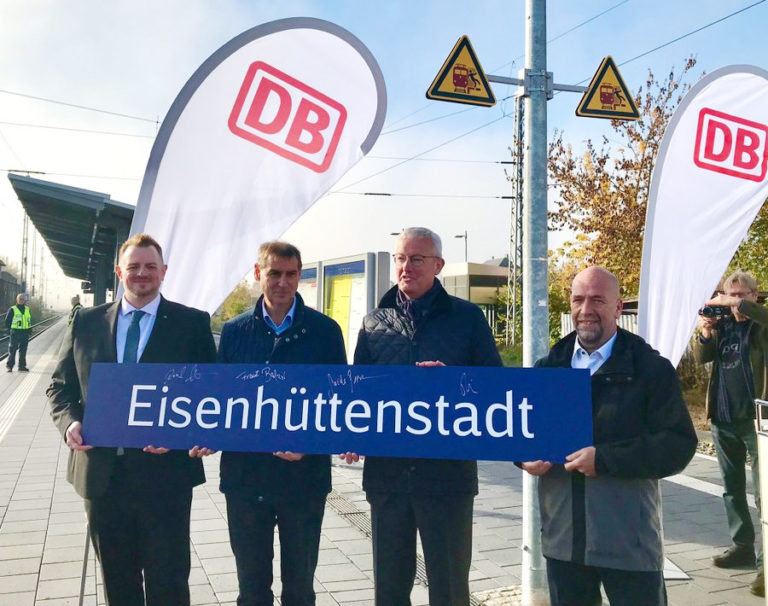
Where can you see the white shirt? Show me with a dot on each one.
(146, 324)
(593, 361)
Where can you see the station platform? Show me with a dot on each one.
(43, 530)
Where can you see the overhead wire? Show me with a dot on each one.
(10, 148)
(568, 31)
(426, 151)
(508, 63)
(462, 160)
(695, 31)
(76, 130)
(622, 63)
(78, 106)
(691, 33)
(407, 195)
(415, 157)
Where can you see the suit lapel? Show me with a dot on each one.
(111, 314)
(154, 347)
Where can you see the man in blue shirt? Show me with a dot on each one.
(283, 489)
(601, 510)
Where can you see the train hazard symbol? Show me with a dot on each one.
(607, 96)
(461, 78)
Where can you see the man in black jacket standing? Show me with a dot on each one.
(417, 322)
(286, 489)
(601, 510)
(138, 502)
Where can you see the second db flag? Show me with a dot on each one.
(708, 184)
(261, 130)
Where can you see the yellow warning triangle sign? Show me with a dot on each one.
(607, 96)
(461, 79)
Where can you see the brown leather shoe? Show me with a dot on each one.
(738, 555)
(757, 587)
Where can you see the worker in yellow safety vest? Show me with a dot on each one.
(18, 322)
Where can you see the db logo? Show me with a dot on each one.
(731, 145)
(287, 117)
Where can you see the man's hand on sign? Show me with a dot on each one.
(198, 452)
(537, 468)
(152, 450)
(288, 455)
(430, 363)
(582, 460)
(75, 438)
(350, 457)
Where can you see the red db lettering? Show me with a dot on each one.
(715, 129)
(253, 118)
(287, 117)
(745, 154)
(731, 145)
(314, 128)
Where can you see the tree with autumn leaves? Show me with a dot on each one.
(602, 196)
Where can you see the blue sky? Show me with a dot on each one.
(132, 57)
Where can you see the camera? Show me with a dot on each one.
(715, 311)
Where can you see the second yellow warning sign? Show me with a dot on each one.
(607, 96)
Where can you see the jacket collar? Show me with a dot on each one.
(156, 338)
(620, 362)
(441, 302)
(298, 317)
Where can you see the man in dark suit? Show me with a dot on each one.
(283, 489)
(137, 501)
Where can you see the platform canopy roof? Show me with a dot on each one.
(80, 227)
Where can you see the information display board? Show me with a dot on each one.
(345, 298)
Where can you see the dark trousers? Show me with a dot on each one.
(18, 342)
(578, 585)
(142, 542)
(444, 524)
(732, 442)
(252, 522)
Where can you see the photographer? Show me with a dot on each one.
(733, 335)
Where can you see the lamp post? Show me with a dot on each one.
(464, 235)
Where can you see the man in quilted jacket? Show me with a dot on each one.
(417, 322)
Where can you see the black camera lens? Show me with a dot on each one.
(715, 311)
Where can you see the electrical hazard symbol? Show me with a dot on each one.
(461, 78)
(607, 96)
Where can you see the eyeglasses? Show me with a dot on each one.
(416, 260)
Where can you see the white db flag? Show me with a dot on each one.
(260, 131)
(708, 184)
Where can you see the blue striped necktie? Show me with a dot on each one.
(131, 350)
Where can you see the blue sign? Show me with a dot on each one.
(451, 412)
